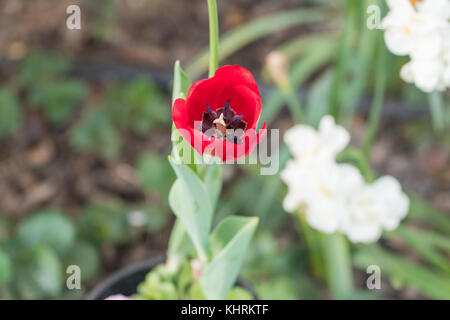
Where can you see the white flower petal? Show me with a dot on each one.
(400, 5)
(307, 144)
(375, 206)
(324, 216)
(427, 46)
(399, 40)
(437, 8)
(334, 138)
(364, 233)
(291, 202)
(406, 73)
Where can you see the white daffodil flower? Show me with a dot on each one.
(420, 29)
(328, 191)
(375, 207)
(427, 75)
(410, 31)
(332, 196)
(320, 189)
(305, 143)
(398, 36)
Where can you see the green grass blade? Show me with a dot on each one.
(254, 30)
(431, 283)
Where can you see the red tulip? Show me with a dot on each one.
(220, 114)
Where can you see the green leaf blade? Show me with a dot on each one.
(228, 244)
(181, 83)
(189, 200)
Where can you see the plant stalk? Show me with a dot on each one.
(436, 103)
(312, 241)
(213, 37)
(377, 103)
(336, 254)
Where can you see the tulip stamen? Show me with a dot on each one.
(209, 109)
(227, 105)
(223, 123)
(238, 118)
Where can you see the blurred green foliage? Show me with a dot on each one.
(47, 228)
(10, 113)
(5, 268)
(104, 224)
(43, 76)
(40, 66)
(155, 173)
(164, 284)
(58, 99)
(95, 133)
(35, 252)
(138, 106)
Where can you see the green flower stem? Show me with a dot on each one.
(344, 55)
(294, 104)
(336, 254)
(437, 111)
(377, 104)
(330, 258)
(213, 37)
(213, 43)
(312, 242)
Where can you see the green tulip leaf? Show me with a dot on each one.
(182, 151)
(181, 83)
(228, 244)
(180, 245)
(190, 202)
(213, 182)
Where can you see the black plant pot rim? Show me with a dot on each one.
(126, 280)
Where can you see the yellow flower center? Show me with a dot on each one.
(325, 191)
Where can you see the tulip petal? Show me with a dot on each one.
(236, 75)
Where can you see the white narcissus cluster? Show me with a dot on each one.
(421, 29)
(333, 196)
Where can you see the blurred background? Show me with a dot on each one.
(85, 133)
